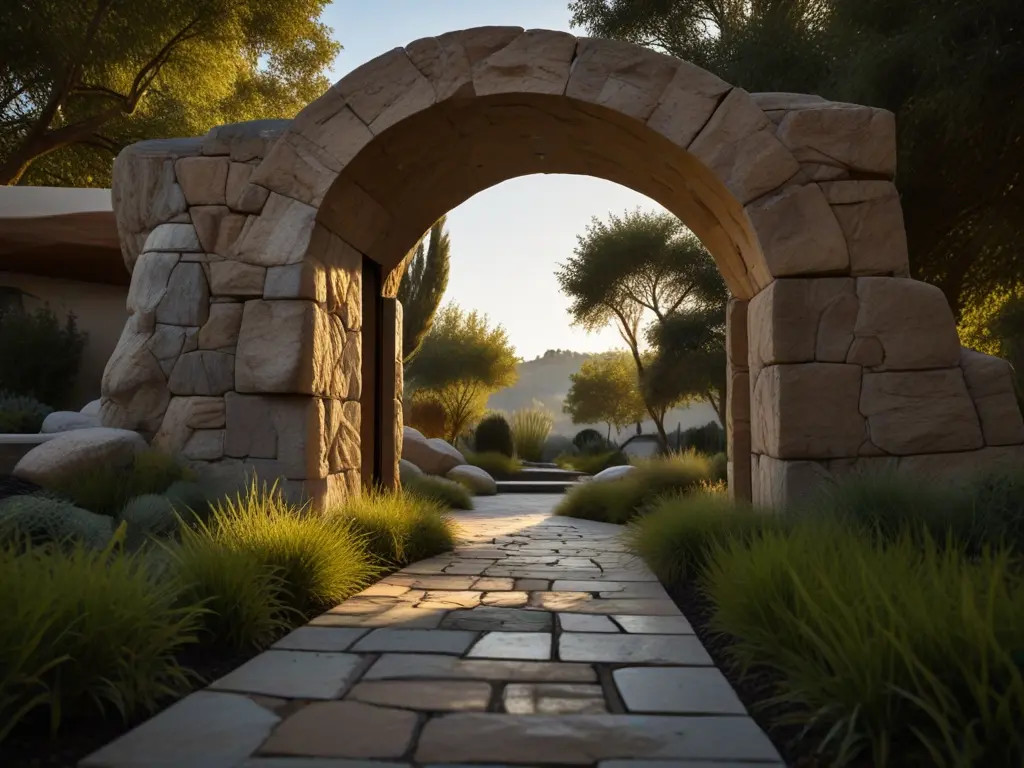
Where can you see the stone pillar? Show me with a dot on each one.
(391, 393)
(737, 408)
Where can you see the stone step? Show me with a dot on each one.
(535, 486)
(546, 474)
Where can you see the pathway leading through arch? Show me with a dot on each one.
(539, 641)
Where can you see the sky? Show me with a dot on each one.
(507, 241)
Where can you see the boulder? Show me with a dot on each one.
(613, 473)
(77, 452)
(407, 470)
(65, 421)
(92, 408)
(476, 479)
(434, 456)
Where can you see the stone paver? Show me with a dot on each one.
(527, 640)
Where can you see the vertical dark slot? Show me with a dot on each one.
(372, 369)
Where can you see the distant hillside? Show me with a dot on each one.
(546, 380)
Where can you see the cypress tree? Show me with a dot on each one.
(423, 286)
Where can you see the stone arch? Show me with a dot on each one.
(271, 250)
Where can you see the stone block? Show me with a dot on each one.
(807, 411)
(956, 467)
(990, 383)
(149, 286)
(217, 227)
(739, 146)
(279, 235)
(203, 179)
(238, 178)
(778, 483)
(220, 332)
(736, 333)
(920, 412)
(305, 280)
(537, 61)
(292, 430)
(799, 234)
(202, 373)
(802, 320)
(298, 168)
(385, 90)
(177, 238)
(874, 231)
(448, 60)
(183, 416)
(861, 138)
(911, 320)
(204, 445)
(620, 76)
(134, 386)
(232, 278)
(187, 298)
(686, 103)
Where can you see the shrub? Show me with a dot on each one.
(400, 528)
(189, 499)
(719, 467)
(498, 465)
(993, 502)
(708, 439)
(149, 515)
(557, 445)
(590, 441)
(21, 414)
(530, 428)
(620, 500)
(48, 354)
(242, 594)
(318, 558)
(592, 463)
(87, 630)
(675, 536)
(426, 415)
(448, 493)
(106, 490)
(902, 649)
(46, 520)
(494, 435)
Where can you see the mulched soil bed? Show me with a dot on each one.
(753, 689)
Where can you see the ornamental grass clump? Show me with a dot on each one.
(400, 528)
(904, 651)
(88, 631)
(450, 494)
(106, 490)
(530, 429)
(498, 465)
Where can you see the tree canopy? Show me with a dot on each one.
(462, 360)
(80, 79)
(423, 286)
(949, 69)
(635, 272)
(605, 390)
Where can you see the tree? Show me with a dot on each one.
(948, 69)
(640, 265)
(605, 390)
(423, 286)
(80, 79)
(460, 363)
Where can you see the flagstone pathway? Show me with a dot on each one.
(538, 642)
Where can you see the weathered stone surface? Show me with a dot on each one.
(407, 471)
(860, 138)
(990, 382)
(802, 320)
(428, 696)
(867, 351)
(65, 421)
(808, 410)
(581, 622)
(238, 177)
(739, 145)
(392, 666)
(488, 617)
(187, 298)
(185, 414)
(204, 445)
(479, 482)
(177, 238)
(779, 483)
(134, 386)
(677, 690)
(620, 76)
(448, 60)
(297, 168)
(343, 729)
(231, 278)
(202, 373)
(220, 331)
(686, 103)
(513, 645)
(205, 730)
(327, 639)
(203, 179)
(537, 61)
(911, 319)
(628, 648)
(798, 233)
(433, 456)
(415, 640)
(305, 280)
(244, 141)
(293, 675)
(920, 412)
(554, 699)
(954, 467)
(149, 286)
(582, 739)
(217, 227)
(92, 408)
(78, 452)
(385, 90)
(873, 227)
(290, 429)
(655, 625)
(279, 235)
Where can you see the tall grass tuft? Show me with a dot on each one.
(622, 499)
(319, 559)
(400, 528)
(591, 463)
(86, 631)
(676, 535)
(530, 429)
(904, 650)
(106, 490)
(498, 465)
(448, 493)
